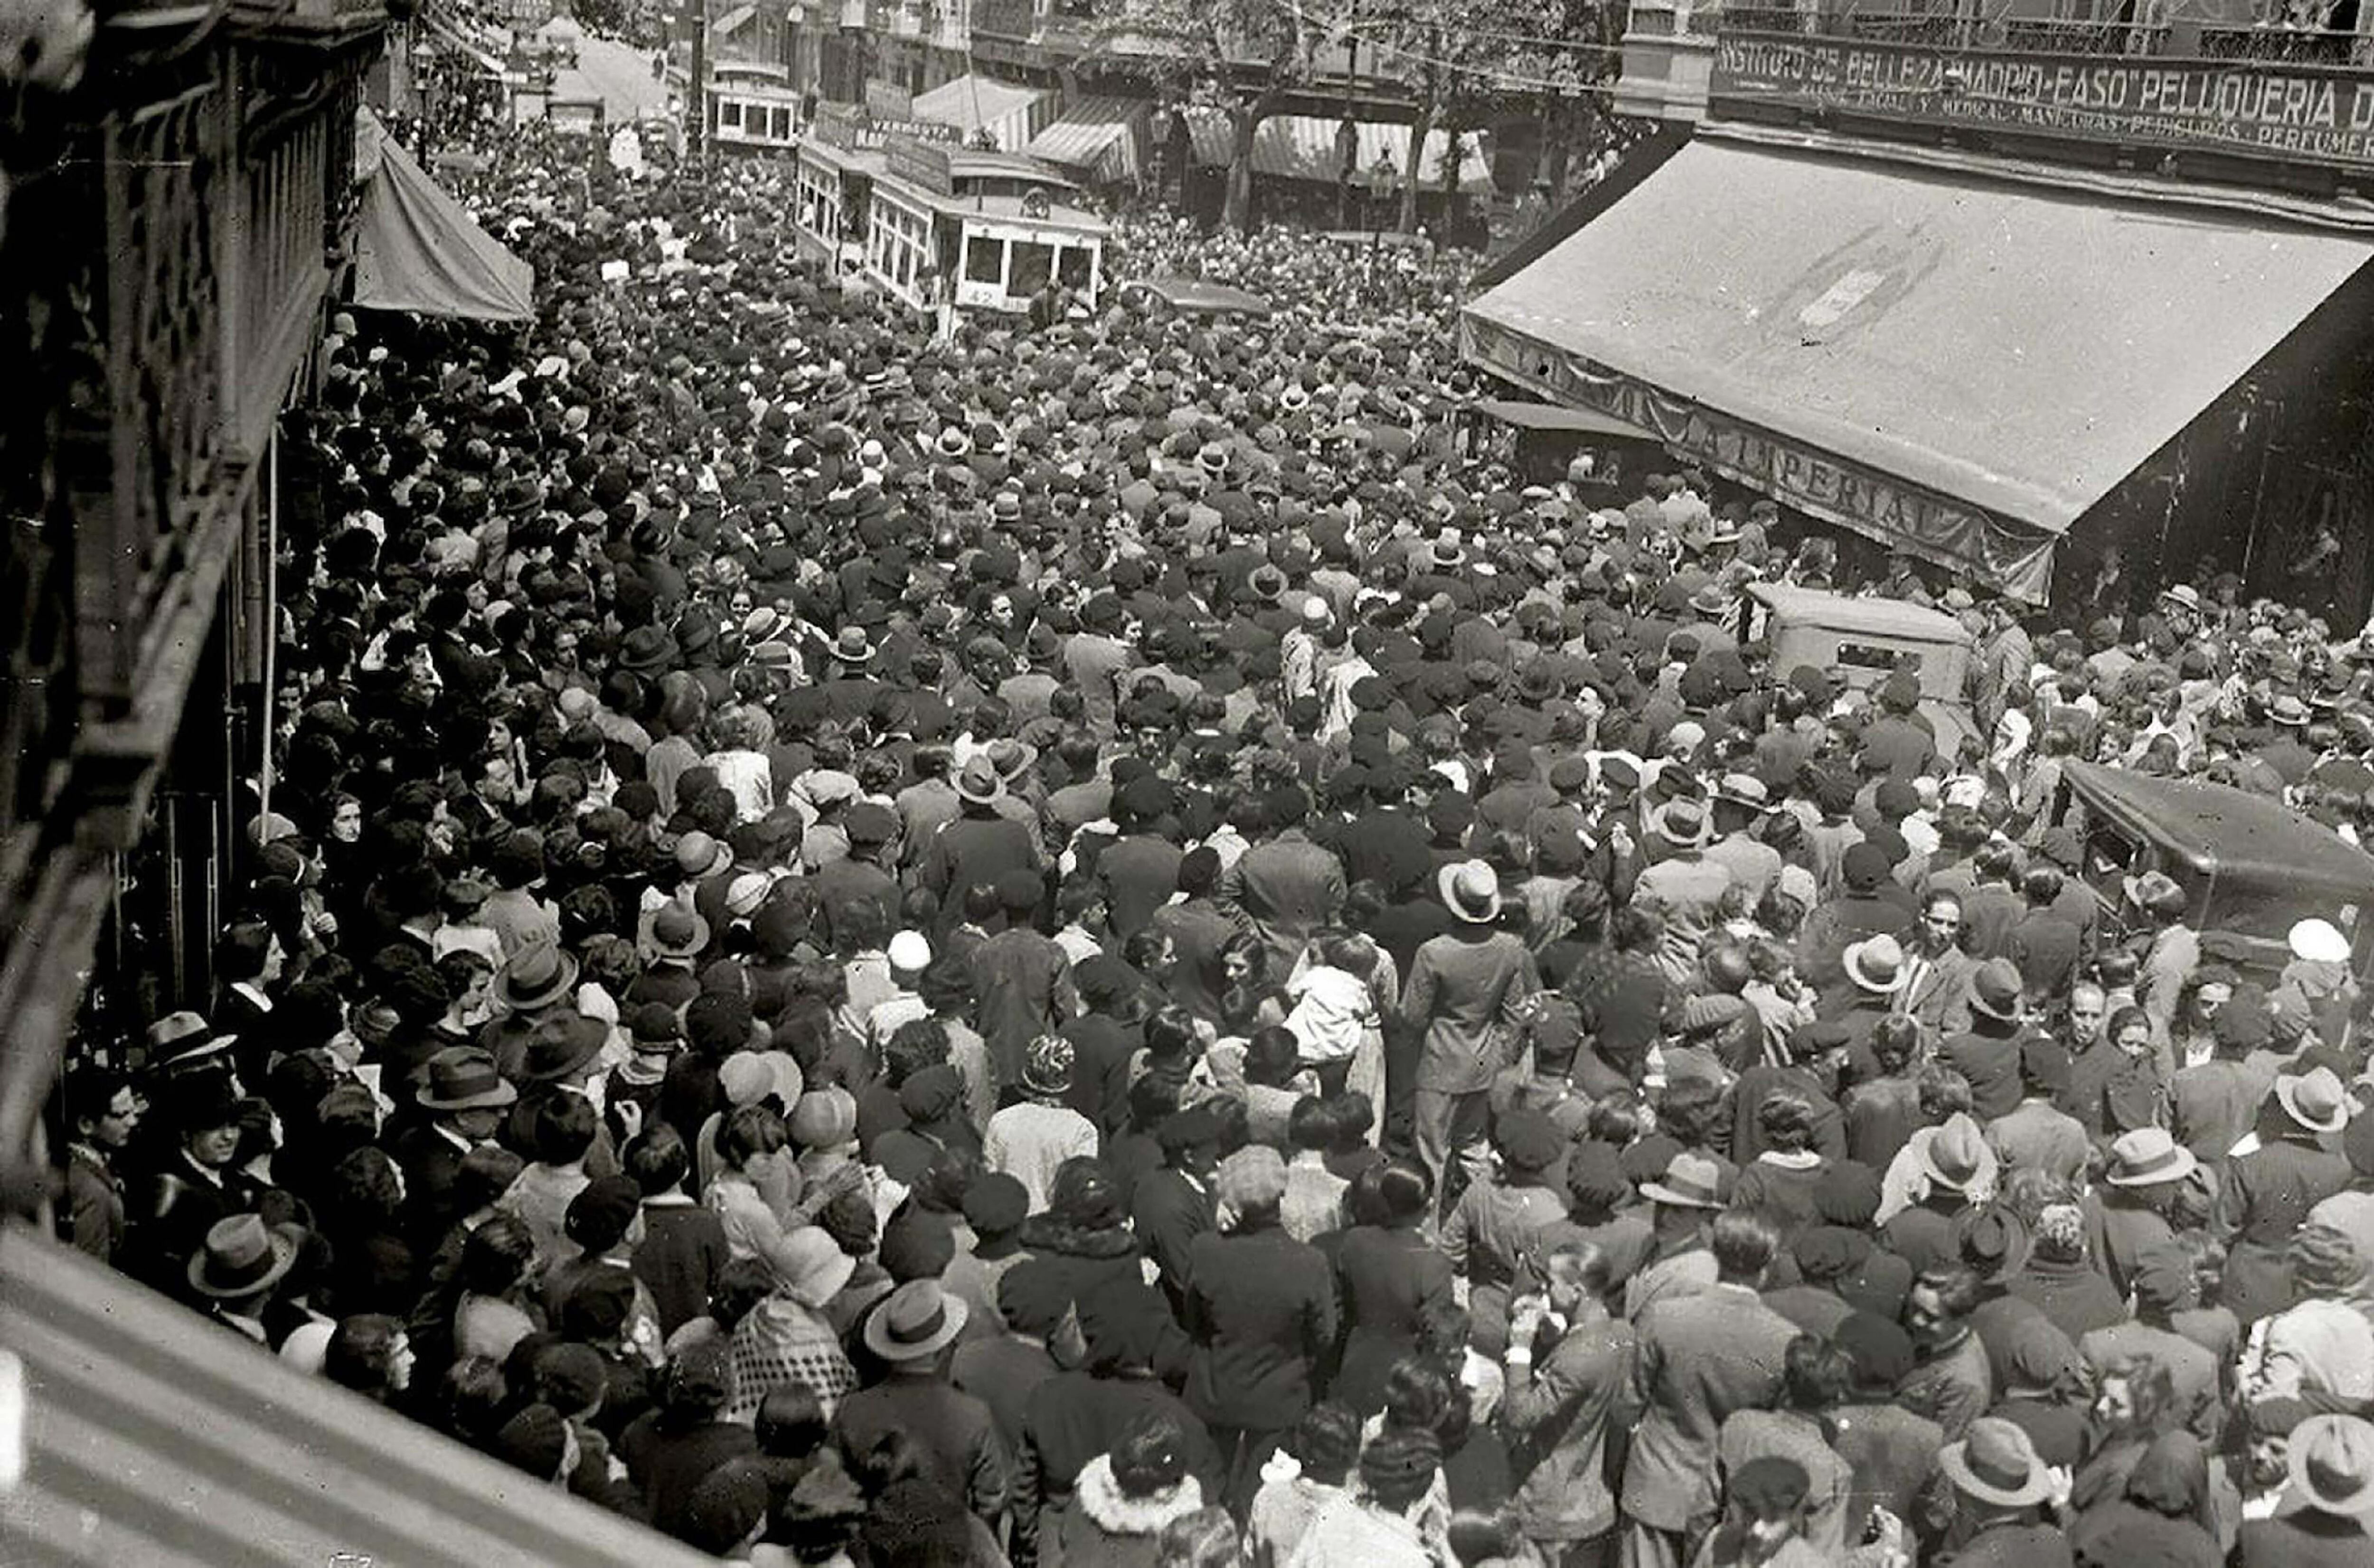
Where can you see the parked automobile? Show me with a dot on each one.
(1863, 641)
(2249, 865)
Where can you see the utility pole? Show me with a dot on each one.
(696, 137)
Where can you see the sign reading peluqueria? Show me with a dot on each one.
(2286, 111)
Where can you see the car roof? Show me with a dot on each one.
(2228, 833)
(1196, 294)
(1891, 616)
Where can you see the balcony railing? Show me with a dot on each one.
(2046, 36)
(1940, 30)
(2289, 46)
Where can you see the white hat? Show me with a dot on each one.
(911, 950)
(1315, 610)
(745, 893)
(2317, 941)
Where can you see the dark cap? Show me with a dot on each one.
(600, 1216)
(997, 1203)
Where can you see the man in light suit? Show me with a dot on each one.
(1695, 1360)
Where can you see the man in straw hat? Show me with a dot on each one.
(1464, 999)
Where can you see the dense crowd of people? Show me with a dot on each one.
(1105, 943)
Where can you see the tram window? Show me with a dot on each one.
(1073, 268)
(1033, 264)
(985, 261)
(729, 113)
(782, 124)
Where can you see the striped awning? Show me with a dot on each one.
(1302, 146)
(1009, 112)
(1102, 135)
(157, 1437)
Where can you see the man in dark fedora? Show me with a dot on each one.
(954, 1435)
(537, 983)
(195, 1185)
(852, 689)
(463, 1098)
(981, 846)
(563, 1056)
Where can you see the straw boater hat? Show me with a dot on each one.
(1876, 965)
(1471, 890)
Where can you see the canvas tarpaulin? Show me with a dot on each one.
(1958, 365)
(417, 249)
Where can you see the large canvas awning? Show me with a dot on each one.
(417, 250)
(152, 1436)
(1957, 366)
(1100, 135)
(1010, 113)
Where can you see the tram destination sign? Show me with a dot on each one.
(2269, 111)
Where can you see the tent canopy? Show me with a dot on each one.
(417, 250)
(2017, 350)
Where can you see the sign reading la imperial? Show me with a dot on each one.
(2290, 111)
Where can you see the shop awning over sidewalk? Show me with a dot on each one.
(1097, 134)
(1303, 146)
(155, 1436)
(1011, 113)
(417, 249)
(1959, 367)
